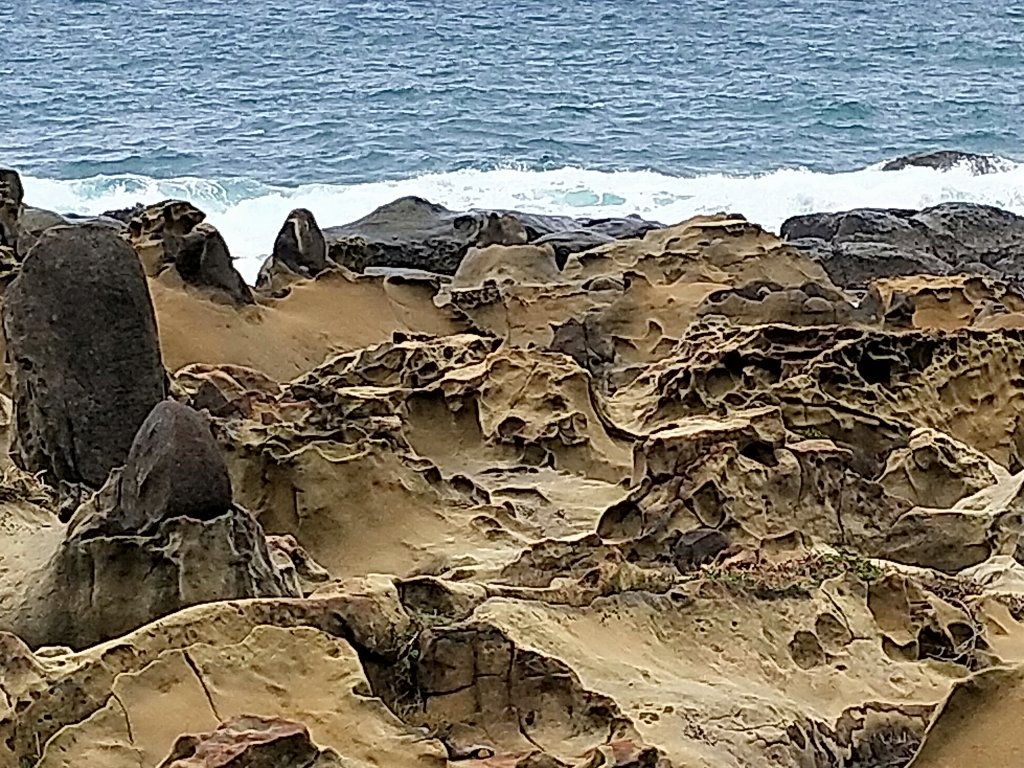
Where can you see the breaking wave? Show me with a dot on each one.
(249, 213)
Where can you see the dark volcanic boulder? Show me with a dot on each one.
(124, 215)
(413, 233)
(202, 259)
(299, 251)
(35, 221)
(82, 343)
(945, 159)
(860, 245)
(416, 234)
(11, 196)
(300, 244)
(160, 535)
(174, 469)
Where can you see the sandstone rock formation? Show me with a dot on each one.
(684, 496)
(250, 742)
(84, 354)
(148, 227)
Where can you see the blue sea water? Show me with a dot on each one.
(252, 107)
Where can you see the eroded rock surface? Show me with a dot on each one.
(251, 742)
(657, 498)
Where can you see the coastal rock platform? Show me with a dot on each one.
(497, 491)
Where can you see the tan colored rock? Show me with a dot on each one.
(946, 303)
(506, 264)
(936, 471)
(989, 522)
(299, 674)
(148, 229)
(976, 722)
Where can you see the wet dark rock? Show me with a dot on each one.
(202, 259)
(860, 245)
(414, 233)
(944, 160)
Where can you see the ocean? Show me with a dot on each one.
(250, 108)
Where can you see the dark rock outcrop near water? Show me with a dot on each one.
(945, 160)
(82, 341)
(124, 215)
(201, 259)
(300, 244)
(11, 196)
(860, 245)
(299, 251)
(415, 234)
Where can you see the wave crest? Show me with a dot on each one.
(249, 213)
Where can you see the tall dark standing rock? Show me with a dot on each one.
(202, 259)
(300, 250)
(300, 244)
(84, 354)
(11, 196)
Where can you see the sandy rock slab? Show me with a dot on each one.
(279, 697)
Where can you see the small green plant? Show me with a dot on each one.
(791, 578)
(811, 432)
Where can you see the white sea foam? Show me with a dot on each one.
(249, 214)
